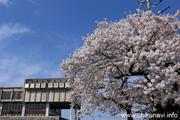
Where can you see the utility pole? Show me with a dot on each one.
(148, 2)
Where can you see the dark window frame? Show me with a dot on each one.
(12, 109)
(17, 95)
(6, 95)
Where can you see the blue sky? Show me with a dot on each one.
(36, 35)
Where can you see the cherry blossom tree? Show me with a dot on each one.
(130, 63)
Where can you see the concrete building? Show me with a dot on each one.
(39, 99)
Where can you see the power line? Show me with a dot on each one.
(173, 2)
(163, 10)
(167, 7)
(175, 9)
(162, 3)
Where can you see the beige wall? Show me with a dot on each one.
(38, 94)
(46, 95)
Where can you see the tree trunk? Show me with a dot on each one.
(129, 114)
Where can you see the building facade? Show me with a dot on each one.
(38, 99)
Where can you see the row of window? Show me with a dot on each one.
(12, 109)
(6, 95)
(35, 109)
(32, 109)
(44, 85)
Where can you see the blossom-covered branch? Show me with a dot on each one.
(134, 62)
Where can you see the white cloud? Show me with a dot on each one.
(33, 2)
(4, 78)
(10, 30)
(56, 74)
(75, 43)
(72, 42)
(14, 70)
(4, 2)
(36, 12)
(29, 70)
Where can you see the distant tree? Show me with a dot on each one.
(144, 47)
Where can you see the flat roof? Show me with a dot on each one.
(45, 80)
(11, 87)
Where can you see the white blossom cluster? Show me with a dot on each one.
(143, 45)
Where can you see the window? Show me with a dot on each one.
(61, 85)
(50, 85)
(55, 85)
(43, 85)
(32, 85)
(26, 85)
(17, 95)
(35, 109)
(6, 95)
(12, 109)
(37, 85)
